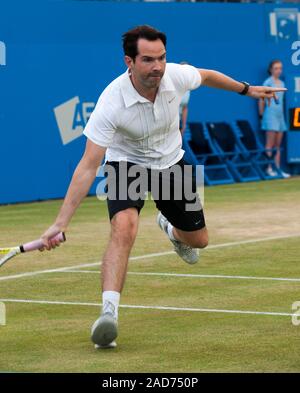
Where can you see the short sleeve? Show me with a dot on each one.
(185, 99)
(267, 83)
(101, 126)
(184, 76)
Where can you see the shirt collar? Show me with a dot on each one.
(131, 96)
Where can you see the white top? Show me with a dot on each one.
(136, 130)
(184, 102)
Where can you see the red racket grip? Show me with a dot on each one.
(37, 244)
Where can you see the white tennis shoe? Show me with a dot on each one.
(105, 329)
(187, 253)
(270, 172)
(113, 344)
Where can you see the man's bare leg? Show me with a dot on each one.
(124, 226)
(185, 243)
(195, 239)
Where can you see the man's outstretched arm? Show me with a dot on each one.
(218, 80)
(82, 179)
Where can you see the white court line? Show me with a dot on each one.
(157, 254)
(167, 308)
(192, 275)
(62, 269)
(37, 272)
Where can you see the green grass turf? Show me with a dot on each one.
(55, 338)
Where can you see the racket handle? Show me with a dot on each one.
(37, 244)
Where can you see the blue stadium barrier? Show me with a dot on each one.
(56, 57)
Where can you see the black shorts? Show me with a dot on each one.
(182, 211)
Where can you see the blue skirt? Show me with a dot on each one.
(273, 121)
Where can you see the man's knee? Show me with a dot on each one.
(204, 242)
(124, 225)
(201, 241)
(198, 239)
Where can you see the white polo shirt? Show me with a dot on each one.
(136, 130)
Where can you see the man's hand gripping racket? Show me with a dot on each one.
(8, 253)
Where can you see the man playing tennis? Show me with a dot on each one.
(136, 120)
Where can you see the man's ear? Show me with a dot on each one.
(128, 61)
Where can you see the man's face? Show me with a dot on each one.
(150, 63)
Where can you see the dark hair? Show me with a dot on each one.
(271, 65)
(131, 37)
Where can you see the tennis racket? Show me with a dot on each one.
(8, 253)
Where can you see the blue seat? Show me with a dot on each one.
(250, 144)
(199, 151)
(226, 144)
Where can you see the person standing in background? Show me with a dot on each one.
(183, 108)
(272, 115)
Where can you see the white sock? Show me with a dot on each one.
(112, 297)
(170, 231)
